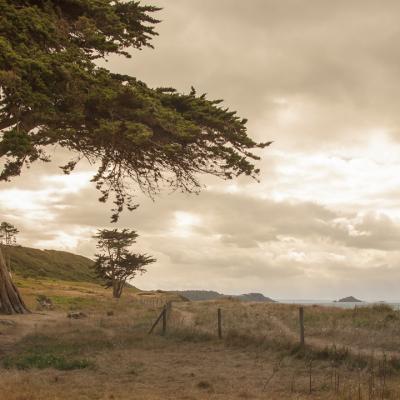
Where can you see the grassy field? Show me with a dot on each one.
(110, 355)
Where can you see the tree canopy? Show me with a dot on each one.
(53, 93)
(116, 264)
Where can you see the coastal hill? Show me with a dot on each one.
(349, 299)
(30, 263)
(199, 295)
(27, 262)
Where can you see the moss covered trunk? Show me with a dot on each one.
(10, 300)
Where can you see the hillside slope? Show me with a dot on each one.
(51, 264)
(199, 295)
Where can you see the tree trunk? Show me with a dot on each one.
(10, 299)
(120, 288)
(117, 288)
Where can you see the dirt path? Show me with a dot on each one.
(320, 344)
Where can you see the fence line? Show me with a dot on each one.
(167, 308)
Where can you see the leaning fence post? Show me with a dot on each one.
(301, 320)
(219, 323)
(157, 321)
(164, 320)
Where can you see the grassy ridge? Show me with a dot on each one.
(49, 264)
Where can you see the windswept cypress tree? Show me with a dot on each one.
(116, 264)
(53, 93)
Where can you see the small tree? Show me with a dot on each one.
(8, 234)
(116, 264)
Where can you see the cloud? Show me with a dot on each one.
(319, 78)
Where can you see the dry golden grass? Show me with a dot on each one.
(366, 329)
(48, 356)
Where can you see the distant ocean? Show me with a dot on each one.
(330, 303)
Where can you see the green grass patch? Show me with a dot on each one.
(45, 360)
(74, 303)
(65, 353)
(71, 343)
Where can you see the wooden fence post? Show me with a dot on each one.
(164, 320)
(219, 323)
(168, 306)
(157, 321)
(301, 320)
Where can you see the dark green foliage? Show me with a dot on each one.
(52, 92)
(51, 264)
(116, 264)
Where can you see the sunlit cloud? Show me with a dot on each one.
(71, 183)
(36, 204)
(184, 223)
(67, 241)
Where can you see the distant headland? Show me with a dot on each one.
(349, 299)
(196, 295)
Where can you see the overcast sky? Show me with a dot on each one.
(318, 77)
